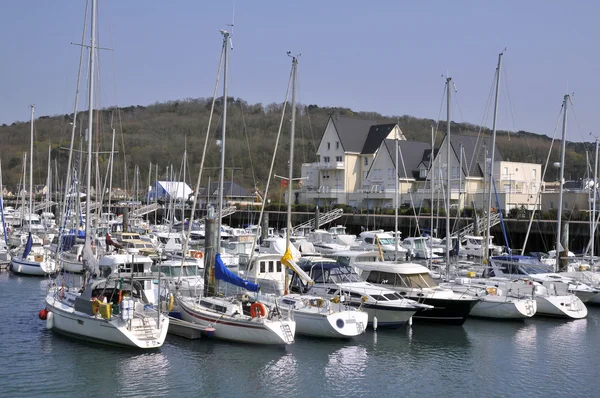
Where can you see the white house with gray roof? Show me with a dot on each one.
(345, 154)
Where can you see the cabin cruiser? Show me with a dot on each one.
(383, 241)
(413, 281)
(417, 248)
(333, 280)
(323, 242)
(474, 246)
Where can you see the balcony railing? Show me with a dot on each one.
(330, 165)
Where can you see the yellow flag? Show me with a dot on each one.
(285, 260)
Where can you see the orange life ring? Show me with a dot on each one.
(196, 254)
(258, 309)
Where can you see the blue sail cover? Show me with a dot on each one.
(27, 246)
(223, 274)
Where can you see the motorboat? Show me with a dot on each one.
(323, 242)
(417, 248)
(414, 281)
(474, 246)
(383, 242)
(333, 280)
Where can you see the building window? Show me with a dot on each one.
(366, 161)
(534, 174)
(326, 159)
(454, 171)
(337, 145)
(390, 174)
(328, 145)
(506, 172)
(338, 158)
(422, 172)
(566, 205)
(551, 205)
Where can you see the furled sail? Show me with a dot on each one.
(223, 274)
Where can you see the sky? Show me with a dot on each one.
(383, 56)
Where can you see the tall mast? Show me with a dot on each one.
(396, 200)
(493, 151)
(222, 171)
(560, 182)
(431, 185)
(31, 168)
(90, 124)
(448, 193)
(594, 200)
(292, 132)
(112, 154)
(49, 180)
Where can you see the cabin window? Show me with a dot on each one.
(262, 267)
(382, 278)
(271, 266)
(278, 266)
(369, 240)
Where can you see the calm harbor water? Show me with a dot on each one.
(539, 357)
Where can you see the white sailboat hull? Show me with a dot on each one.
(567, 306)
(341, 324)
(114, 331)
(498, 307)
(28, 267)
(239, 329)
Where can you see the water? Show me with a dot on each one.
(539, 357)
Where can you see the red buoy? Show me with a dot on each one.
(43, 314)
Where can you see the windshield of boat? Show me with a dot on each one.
(416, 281)
(186, 270)
(523, 266)
(340, 274)
(387, 241)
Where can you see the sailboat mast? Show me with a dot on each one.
(292, 132)
(592, 234)
(560, 182)
(31, 168)
(448, 191)
(493, 151)
(396, 200)
(222, 171)
(112, 153)
(90, 123)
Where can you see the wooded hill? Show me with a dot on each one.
(158, 134)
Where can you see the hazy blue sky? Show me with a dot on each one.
(383, 56)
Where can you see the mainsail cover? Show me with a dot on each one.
(223, 274)
(289, 262)
(28, 246)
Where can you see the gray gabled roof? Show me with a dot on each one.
(377, 133)
(409, 157)
(474, 152)
(230, 189)
(352, 132)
